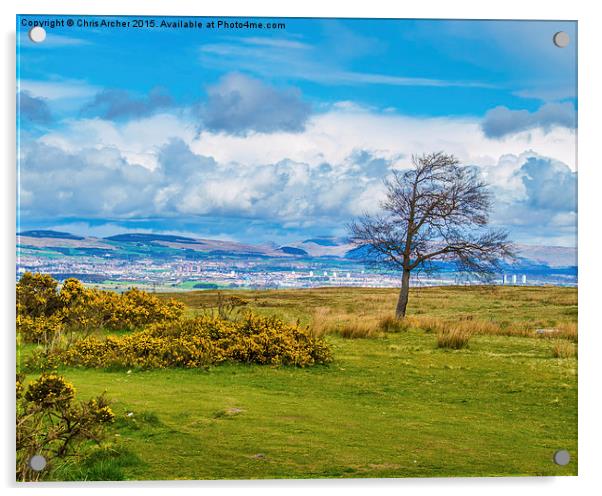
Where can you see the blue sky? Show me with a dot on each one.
(273, 135)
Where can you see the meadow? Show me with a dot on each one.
(391, 404)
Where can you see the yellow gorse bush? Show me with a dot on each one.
(45, 313)
(203, 341)
(40, 329)
(160, 337)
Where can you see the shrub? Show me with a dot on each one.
(45, 315)
(454, 338)
(52, 423)
(36, 295)
(203, 341)
(40, 330)
(135, 309)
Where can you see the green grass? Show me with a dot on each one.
(392, 406)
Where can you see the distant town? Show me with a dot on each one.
(164, 263)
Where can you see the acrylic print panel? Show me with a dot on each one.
(295, 248)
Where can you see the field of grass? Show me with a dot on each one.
(393, 405)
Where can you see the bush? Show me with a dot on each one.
(37, 295)
(135, 309)
(52, 423)
(40, 330)
(46, 316)
(454, 338)
(200, 342)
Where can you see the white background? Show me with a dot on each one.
(590, 296)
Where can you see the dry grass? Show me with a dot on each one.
(327, 321)
(480, 310)
(320, 321)
(454, 338)
(391, 324)
(358, 329)
(564, 349)
(567, 330)
(426, 323)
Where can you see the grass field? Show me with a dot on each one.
(393, 405)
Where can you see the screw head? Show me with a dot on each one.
(561, 39)
(562, 457)
(37, 34)
(37, 463)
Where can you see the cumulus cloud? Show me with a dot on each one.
(115, 104)
(331, 136)
(239, 104)
(160, 167)
(535, 197)
(101, 183)
(33, 109)
(93, 182)
(501, 121)
(549, 185)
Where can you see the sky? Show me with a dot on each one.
(278, 135)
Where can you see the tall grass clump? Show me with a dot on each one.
(564, 349)
(567, 330)
(454, 338)
(351, 326)
(424, 323)
(358, 329)
(391, 324)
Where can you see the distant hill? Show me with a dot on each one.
(529, 257)
(149, 238)
(358, 253)
(41, 233)
(290, 250)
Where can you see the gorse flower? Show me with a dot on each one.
(50, 390)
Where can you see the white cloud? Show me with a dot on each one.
(160, 167)
(332, 136)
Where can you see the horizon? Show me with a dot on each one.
(197, 236)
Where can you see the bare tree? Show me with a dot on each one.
(436, 211)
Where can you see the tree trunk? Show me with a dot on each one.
(402, 302)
